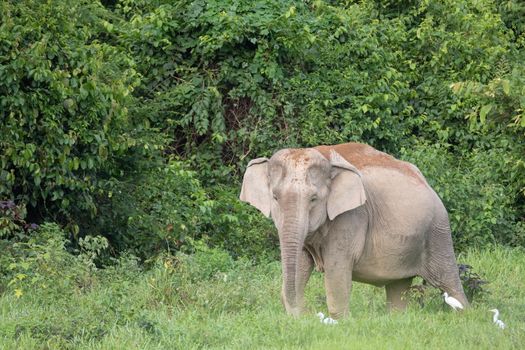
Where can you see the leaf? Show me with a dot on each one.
(18, 292)
(483, 113)
(506, 86)
(103, 152)
(290, 12)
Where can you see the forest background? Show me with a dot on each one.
(126, 124)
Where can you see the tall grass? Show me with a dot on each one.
(196, 302)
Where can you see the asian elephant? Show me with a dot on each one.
(356, 214)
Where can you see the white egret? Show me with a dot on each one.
(329, 320)
(495, 319)
(453, 302)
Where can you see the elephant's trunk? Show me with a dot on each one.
(292, 236)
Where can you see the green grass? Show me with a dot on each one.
(171, 307)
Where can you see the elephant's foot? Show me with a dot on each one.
(337, 315)
(293, 310)
(337, 304)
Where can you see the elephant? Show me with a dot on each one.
(356, 214)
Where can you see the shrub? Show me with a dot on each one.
(12, 221)
(205, 262)
(239, 228)
(64, 92)
(154, 210)
(37, 261)
(171, 208)
(472, 282)
(89, 96)
(44, 260)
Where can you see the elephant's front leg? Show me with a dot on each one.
(341, 250)
(305, 265)
(338, 285)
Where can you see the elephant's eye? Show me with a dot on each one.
(275, 197)
(313, 199)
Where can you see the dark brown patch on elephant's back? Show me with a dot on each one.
(363, 156)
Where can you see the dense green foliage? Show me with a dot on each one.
(133, 119)
(171, 208)
(64, 94)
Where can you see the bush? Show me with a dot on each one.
(315, 73)
(37, 261)
(64, 94)
(12, 221)
(240, 229)
(318, 73)
(171, 209)
(154, 211)
(96, 102)
(43, 260)
(204, 263)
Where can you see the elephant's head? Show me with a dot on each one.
(300, 189)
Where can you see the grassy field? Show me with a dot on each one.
(208, 301)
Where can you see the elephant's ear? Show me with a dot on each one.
(346, 191)
(255, 188)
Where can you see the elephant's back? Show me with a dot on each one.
(365, 157)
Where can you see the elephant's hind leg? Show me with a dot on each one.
(440, 269)
(396, 298)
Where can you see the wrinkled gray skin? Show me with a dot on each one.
(376, 221)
